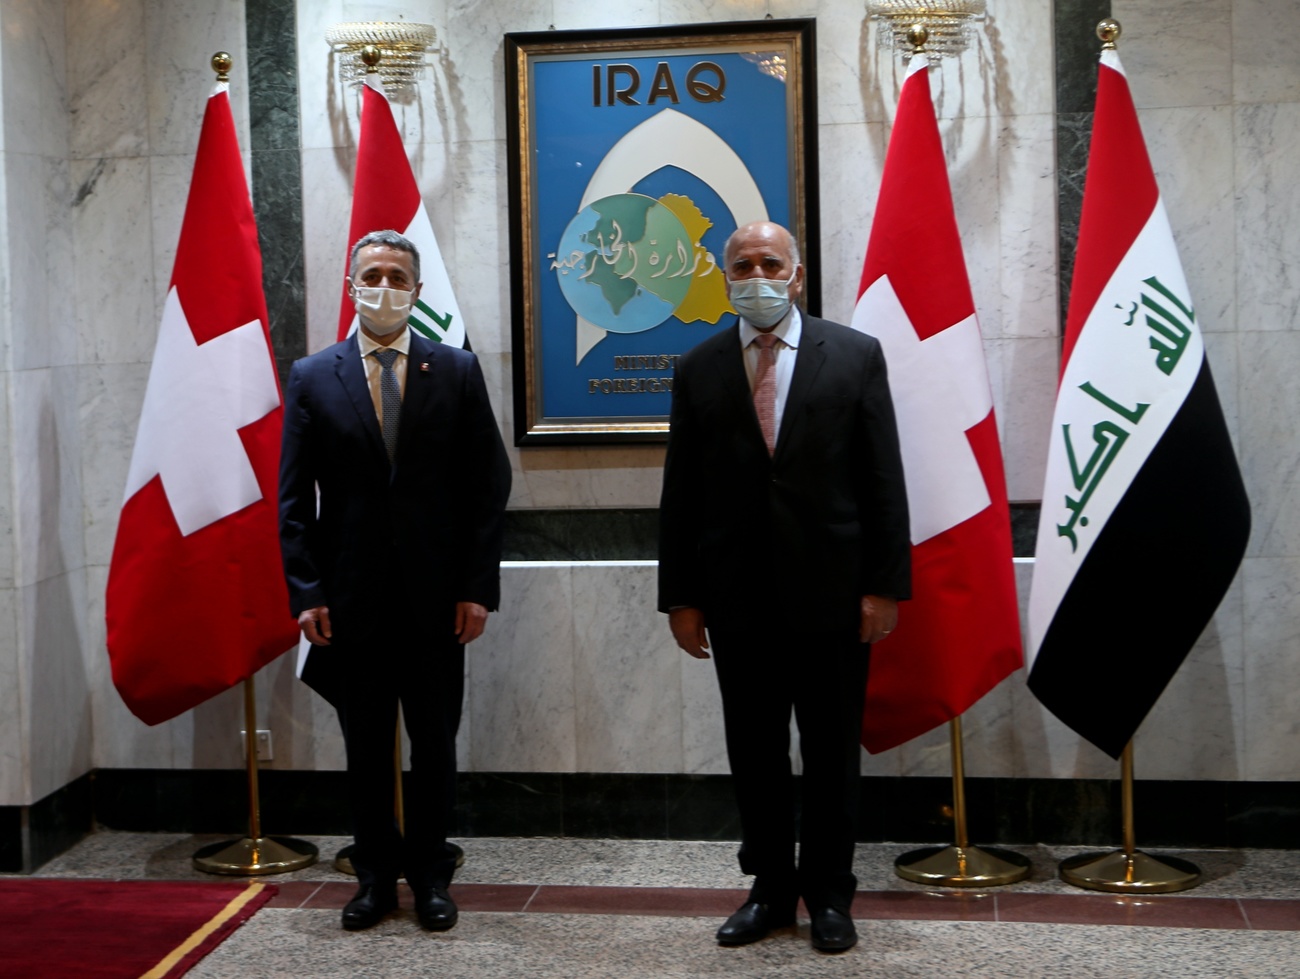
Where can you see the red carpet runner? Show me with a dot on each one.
(96, 929)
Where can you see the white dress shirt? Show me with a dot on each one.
(788, 333)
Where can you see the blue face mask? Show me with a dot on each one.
(763, 302)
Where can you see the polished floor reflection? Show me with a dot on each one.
(564, 907)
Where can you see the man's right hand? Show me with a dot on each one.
(688, 629)
(315, 625)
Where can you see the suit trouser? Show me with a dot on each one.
(428, 678)
(764, 673)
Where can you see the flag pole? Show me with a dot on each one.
(1129, 871)
(255, 854)
(961, 865)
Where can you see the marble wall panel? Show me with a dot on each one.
(46, 474)
(39, 259)
(185, 34)
(571, 14)
(1264, 63)
(114, 304)
(715, 11)
(1198, 727)
(627, 681)
(122, 740)
(845, 94)
(474, 236)
(972, 149)
(1192, 154)
(1271, 605)
(521, 690)
(111, 119)
(1269, 453)
(326, 214)
(34, 79)
(1267, 140)
(305, 731)
(8, 547)
(14, 707)
(704, 743)
(626, 476)
(471, 63)
(848, 199)
(60, 740)
(1028, 299)
(1022, 373)
(111, 396)
(320, 97)
(1197, 70)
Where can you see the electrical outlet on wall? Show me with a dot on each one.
(263, 744)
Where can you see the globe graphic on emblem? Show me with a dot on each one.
(625, 263)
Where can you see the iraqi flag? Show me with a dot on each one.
(1145, 518)
(959, 636)
(196, 597)
(386, 196)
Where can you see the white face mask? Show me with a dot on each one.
(763, 302)
(383, 311)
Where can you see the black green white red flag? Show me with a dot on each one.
(959, 636)
(1145, 517)
(385, 196)
(196, 600)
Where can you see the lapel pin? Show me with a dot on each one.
(424, 367)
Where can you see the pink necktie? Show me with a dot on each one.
(765, 388)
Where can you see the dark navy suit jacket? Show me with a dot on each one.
(425, 529)
(817, 525)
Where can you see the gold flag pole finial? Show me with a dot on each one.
(221, 65)
(917, 35)
(1108, 30)
(370, 57)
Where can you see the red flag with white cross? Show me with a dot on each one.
(196, 596)
(959, 636)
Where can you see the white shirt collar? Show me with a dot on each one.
(402, 344)
(789, 330)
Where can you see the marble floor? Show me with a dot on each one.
(619, 908)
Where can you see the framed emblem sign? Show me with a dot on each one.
(634, 154)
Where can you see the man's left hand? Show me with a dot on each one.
(471, 617)
(879, 616)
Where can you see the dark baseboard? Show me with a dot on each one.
(1007, 811)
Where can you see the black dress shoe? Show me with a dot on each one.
(368, 907)
(752, 922)
(435, 909)
(832, 931)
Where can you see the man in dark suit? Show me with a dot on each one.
(398, 567)
(784, 534)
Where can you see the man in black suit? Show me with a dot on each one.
(784, 533)
(397, 568)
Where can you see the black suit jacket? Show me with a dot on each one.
(810, 529)
(426, 528)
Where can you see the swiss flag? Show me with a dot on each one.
(959, 636)
(196, 597)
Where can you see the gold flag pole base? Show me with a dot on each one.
(253, 858)
(963, 866)
(255, 854)
(1130, 873)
